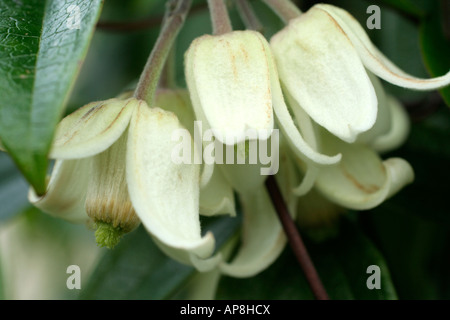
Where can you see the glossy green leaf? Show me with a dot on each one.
(137, 269)
(341, 262)
(42, 46)
(436, 48)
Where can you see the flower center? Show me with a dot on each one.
(108, 235)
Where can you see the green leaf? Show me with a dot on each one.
(341, 262)
(13, 189)
(436, 48)
(416, 249)
(137, 269)
(41, 51)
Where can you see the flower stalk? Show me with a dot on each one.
(148, 82)
(219, 17)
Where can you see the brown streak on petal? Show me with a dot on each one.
(87, 116)
(115, 119)
(337, 25)
(269, 98)
(233, 60)
(244, 53)
(369, 189)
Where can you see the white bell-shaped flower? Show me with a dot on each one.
(114, 167)
(322, 57)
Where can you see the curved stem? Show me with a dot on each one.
(285, 9)
(149, 79)
(219, 17)
(295, 240)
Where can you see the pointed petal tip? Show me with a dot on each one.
(92, 128)
(375, 60)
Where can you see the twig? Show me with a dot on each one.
(152, 71)
(219, 17)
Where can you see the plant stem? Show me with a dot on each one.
(248, 16)
(219, 17)
(149, 79)
(285, 9)
(295, 240)
(168, 74)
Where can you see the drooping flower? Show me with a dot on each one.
(361, 180)
(113, 167)
(322, 57)
(234, 87)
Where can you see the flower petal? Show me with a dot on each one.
(376, 61)
(236, 96)
(246, 176)
(383, 121)
(399, 129)
(217, 197)
(320, 68)
(294, 137)
(188, 258)
(178, 102)
(66, 191)
(263, 238)
(361, 180)
(165, 194)
(92, 128)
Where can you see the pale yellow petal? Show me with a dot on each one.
(376, 61)
(319, 66)
(165, 195)
(92, 128)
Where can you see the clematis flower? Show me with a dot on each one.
(322, 57)
(234, 87)
(361, 180)
(113, 167)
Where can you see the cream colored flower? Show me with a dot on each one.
(362, 180)
(113, 166)
(322, 57)
(234, 87)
